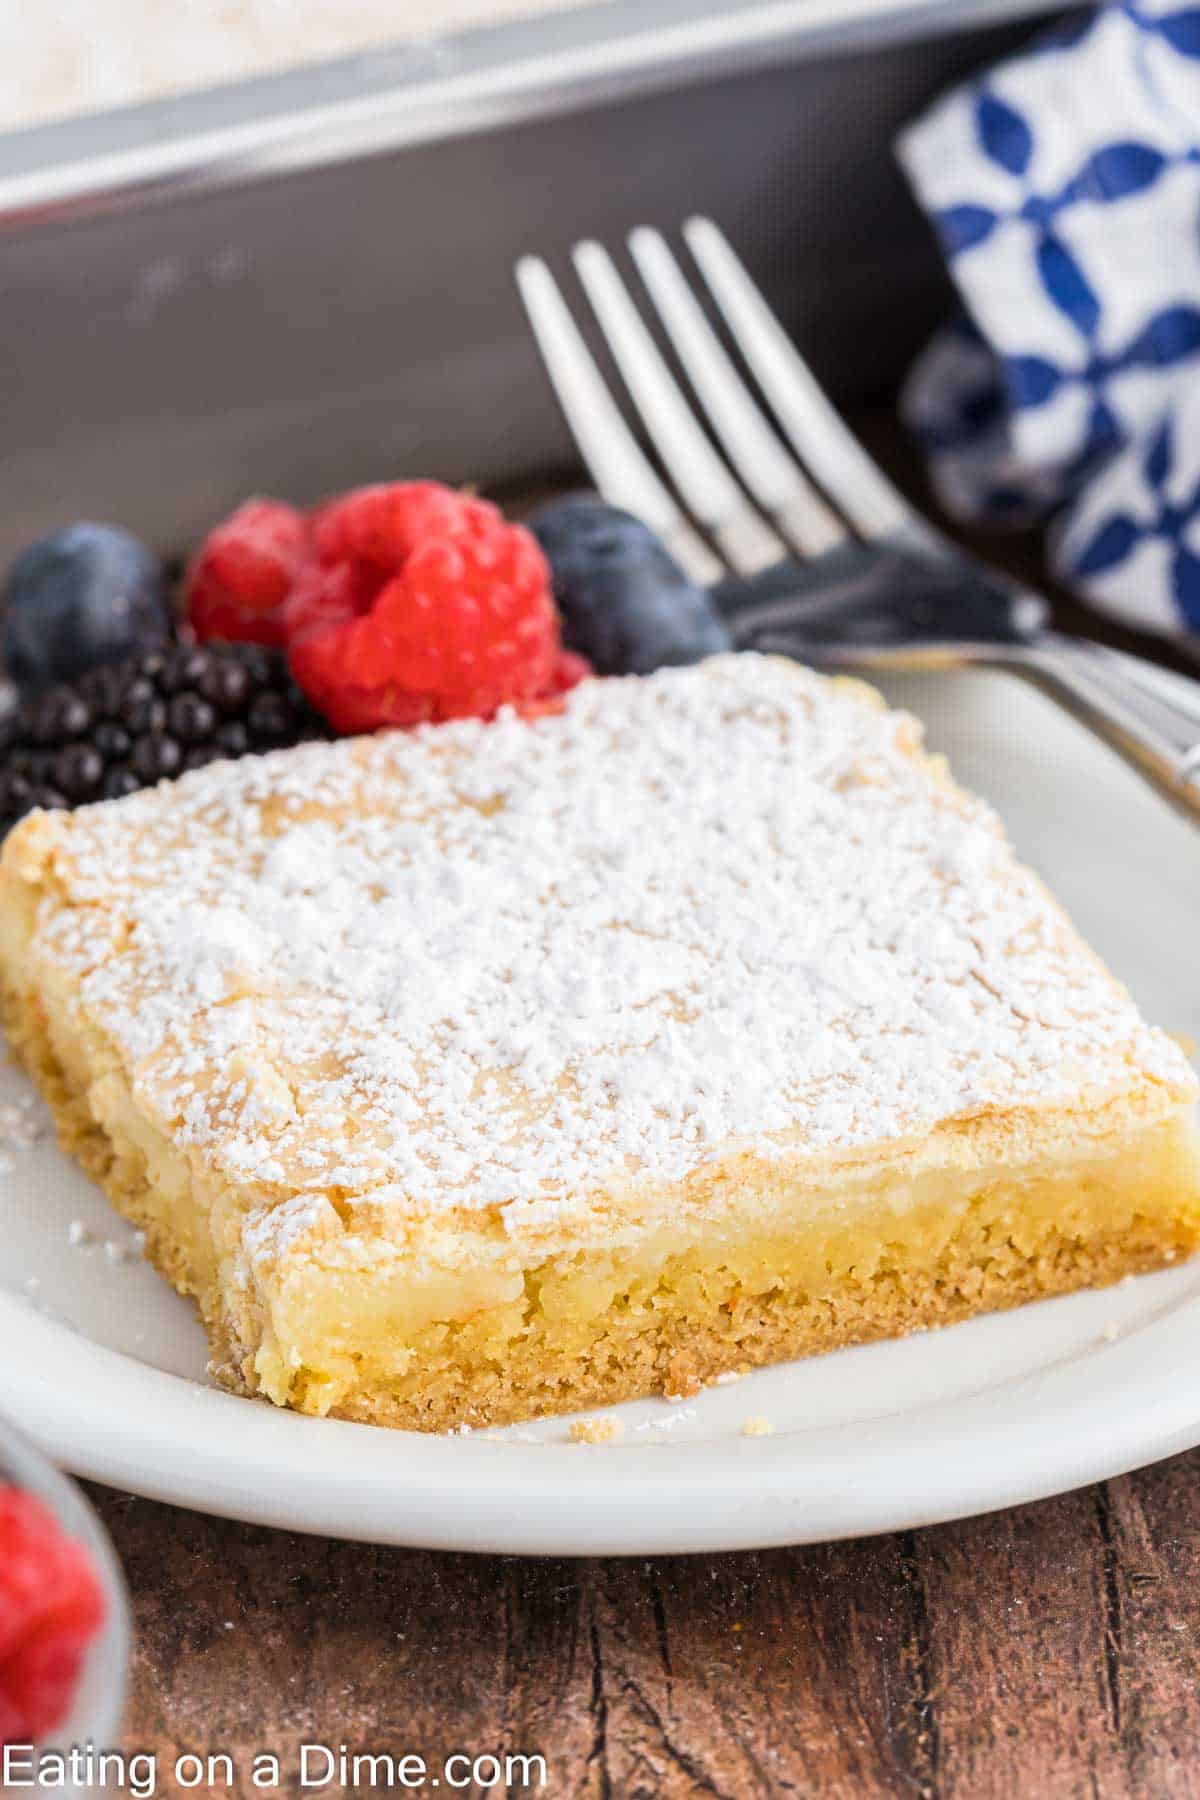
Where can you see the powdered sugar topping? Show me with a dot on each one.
(510, 964)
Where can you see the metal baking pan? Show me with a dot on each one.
(293, 283)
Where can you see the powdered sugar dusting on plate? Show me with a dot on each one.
(509, 964)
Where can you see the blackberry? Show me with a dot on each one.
(160, 714)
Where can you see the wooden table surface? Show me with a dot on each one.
(1052, 1650)
(1048, 1651)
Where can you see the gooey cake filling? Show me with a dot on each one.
(494, 1069)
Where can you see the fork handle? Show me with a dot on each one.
(1150, 716)
(878, 606)
(883, 596)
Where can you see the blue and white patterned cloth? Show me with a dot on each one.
(1065, 189)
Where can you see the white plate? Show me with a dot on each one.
(104, 1367)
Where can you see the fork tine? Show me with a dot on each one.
(607, 445)
(767, 469)
(708, 489)
(822, 440)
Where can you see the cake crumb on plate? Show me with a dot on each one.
(595, 1431)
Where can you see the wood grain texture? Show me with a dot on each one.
(1049, 1651)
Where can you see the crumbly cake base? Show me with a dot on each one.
(495, 1070)
(1131, 1203)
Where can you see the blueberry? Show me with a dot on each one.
(85, 596)
(625, 603)
(586, 525)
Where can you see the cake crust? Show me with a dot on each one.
(503, 1069)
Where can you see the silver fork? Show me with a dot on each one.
(809, 549)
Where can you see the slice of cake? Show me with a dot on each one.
(499, 1069)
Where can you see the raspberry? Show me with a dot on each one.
(423, 604)
(243, 572)
(51, 1607)
(384, 523)
(569, 670)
